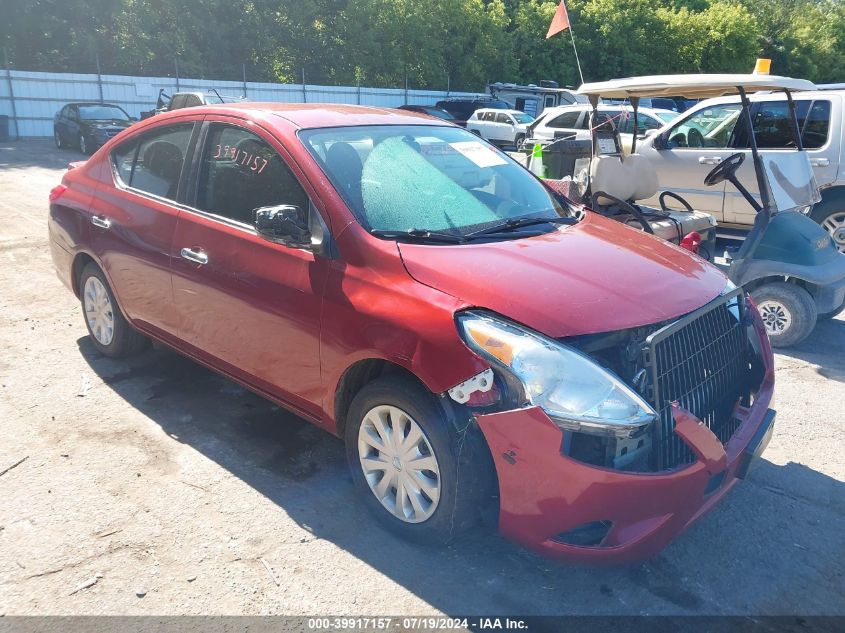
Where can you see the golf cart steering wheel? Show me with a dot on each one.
(724, 170)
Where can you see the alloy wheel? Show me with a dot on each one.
(58, 138)
(835, 225)
(399, 464)
(98, 310)
(83, 145)
(776, 317)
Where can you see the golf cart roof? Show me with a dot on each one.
(691, 86)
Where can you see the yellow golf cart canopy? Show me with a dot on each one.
(691, 86)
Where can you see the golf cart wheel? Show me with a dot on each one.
(788, 312)
(834, 223)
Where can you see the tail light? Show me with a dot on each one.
(56, 192)
(691, 242)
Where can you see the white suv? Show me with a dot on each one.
(501, 127)
(573, 121)
(686, 150)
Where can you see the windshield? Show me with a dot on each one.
(423, 178)
(102, 112)
(440, 114)
(667, 117)
(521, 117)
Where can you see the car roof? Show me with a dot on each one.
(498, 110)
(603, 107)
(314, 115)
(768, 96)
(692, 86)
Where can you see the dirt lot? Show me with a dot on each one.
(157, 478)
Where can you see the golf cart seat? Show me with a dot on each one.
(630, 178)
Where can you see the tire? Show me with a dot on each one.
(788, 311)
(518, 141)
(57, 136)
(99, 309)
(463, 471)
(833, 222)
(83, 145)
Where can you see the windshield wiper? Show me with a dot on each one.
(513, 224)
(421, 235)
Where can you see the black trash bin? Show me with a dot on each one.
(559, 156)
(4, 128)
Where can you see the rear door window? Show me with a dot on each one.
(240, 172)
(773, 124)
(567, 120)
(153, 162)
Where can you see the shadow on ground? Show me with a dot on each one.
(754, 554)
(825, 347)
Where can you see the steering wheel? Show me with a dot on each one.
(695, 138)
(724, 170)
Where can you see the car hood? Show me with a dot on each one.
(106, 124)
(596, 276)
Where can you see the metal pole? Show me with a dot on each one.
(448, 85)
(358, 82)
(406, 88)
(577, 61)
(304, 90)
(793, 120)
(243, 68)
(176, 63)
(11, 93)
(99, 74)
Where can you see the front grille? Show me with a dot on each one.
(702, 362)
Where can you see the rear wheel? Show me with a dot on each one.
(834, 223)
(405, 462)
(788, 311)
(110, 333)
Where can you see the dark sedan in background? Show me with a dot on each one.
(88, 125)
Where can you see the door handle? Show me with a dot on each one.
(103, 223)
(195, 256)
(819, 162)
(709, 160)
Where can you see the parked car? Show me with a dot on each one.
(674, 104)
(574, 122)
(88, 125)
(500, 127)
(686, 150)
(462, 108)
(434, 111)
(483, 347)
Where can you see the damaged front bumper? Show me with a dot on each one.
(549, 501)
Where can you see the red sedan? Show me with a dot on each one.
(483, 346)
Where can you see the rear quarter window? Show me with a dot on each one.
(153, 162)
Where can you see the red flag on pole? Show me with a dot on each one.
(560, 22)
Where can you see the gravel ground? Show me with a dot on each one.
(156, 487)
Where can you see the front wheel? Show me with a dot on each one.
(110, 332)
(83, 145)
(405, 462)
(788, 312)
(518, 141)
(57, 136)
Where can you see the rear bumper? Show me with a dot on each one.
(544, 493)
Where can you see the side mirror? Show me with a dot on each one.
(286, 224)
(658, 140)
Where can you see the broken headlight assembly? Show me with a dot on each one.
(577, 393)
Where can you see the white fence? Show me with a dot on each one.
(30, 99)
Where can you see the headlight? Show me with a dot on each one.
(576, 392)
